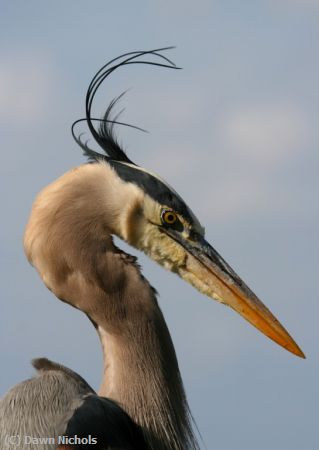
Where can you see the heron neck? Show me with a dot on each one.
(141, 373)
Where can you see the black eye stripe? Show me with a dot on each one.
(152, 186)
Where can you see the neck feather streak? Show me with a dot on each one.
(141, 373)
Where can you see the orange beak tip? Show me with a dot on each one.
(300, 353)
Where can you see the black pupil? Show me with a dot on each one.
(170, 217)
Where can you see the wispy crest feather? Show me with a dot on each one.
(105, 135)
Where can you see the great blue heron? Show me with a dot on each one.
(68, 240)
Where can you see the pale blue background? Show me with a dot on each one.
(236, 133)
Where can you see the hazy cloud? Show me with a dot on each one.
(265, 135)
(24, 94)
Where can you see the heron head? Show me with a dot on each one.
(156, 220)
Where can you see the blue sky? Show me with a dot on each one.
(236, 133)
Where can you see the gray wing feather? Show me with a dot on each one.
(41, 406)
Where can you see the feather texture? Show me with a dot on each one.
(105, 135)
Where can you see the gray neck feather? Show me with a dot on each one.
(141, 371)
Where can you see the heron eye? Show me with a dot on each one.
(169, 217)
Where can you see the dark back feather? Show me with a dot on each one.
(100, 423)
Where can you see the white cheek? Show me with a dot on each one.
(168, 265)
(162, 249)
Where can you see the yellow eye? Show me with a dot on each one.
(169, 217)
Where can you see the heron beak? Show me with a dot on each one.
(208, 272)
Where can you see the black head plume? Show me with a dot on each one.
(104, 135)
